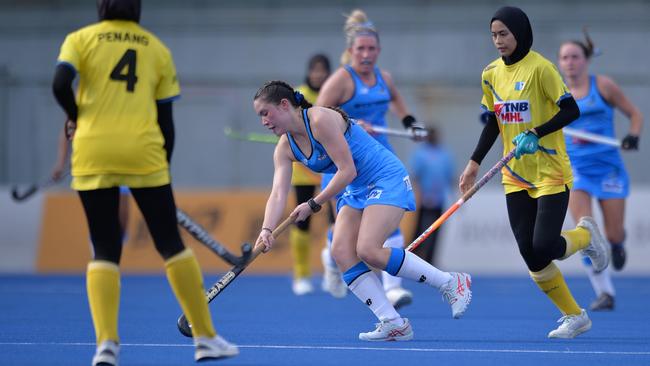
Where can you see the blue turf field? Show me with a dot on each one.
(44, 320)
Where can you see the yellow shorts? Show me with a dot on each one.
(99, 181)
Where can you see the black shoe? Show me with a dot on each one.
(604, 302)
(618, 256)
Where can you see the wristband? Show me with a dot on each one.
(315, 207)
(267, 229)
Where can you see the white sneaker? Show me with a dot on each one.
(213, 348)
(598, 248)
(332, 280)
(572, 325)
(399, 296)
(387, 331)
(458, 293)
(106, 354)
(302, 286)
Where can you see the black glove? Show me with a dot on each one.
(630, 142)
(408, 121)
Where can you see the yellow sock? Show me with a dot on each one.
(299, 240)
(576, 239)
(184, 276)
(103, 286)
(551, 281)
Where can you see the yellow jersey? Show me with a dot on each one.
(302, 176)
(523, 96)
(123, 71)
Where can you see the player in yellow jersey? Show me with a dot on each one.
(528, 104)
(122, 135)
(304, 182)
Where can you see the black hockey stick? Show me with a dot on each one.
(203, 237)
(183, 325)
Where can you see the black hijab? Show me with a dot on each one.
(519, 25)
(119, 9)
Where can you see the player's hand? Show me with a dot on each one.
(468, 177)
(70, 127)
(527, 143)
(265, 240)
(630, 142)
(57, 172)
(302, 212)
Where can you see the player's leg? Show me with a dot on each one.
(397, 295)
(183, 272)
(614, 218)
(299, 240)
(102, 275)
(363, 282)
(379, 220)
(548, 245)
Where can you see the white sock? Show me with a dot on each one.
(601, 282)
(417, 269)
(390, 282)
(328, 260)
(368, 289)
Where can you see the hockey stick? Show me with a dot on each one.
(25, 194)
(408, 133)
(436, 224)
(592, 137)
(203, 237)
(267, 138)
(183, 325)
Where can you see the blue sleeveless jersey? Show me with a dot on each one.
(381, 177)
(596, 116)
(369, 103)
(597, 168)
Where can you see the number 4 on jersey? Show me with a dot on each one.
(127, 61)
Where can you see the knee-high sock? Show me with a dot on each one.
(366, 286)
(103, 286)
(576, 239)
(601, 281)
(184, 276)
(551, 281)
(389, 281)
(299, 240)
(405, 264)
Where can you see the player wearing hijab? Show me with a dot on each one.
(528, 104)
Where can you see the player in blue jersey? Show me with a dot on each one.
(598, 169)
(365, 93)
(377, 192)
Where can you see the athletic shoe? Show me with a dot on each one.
(618, 256)
(458, 293)
(106, 354)
(597, 250)
(213, 348)
(387, 331)
(572, 325)
(302, 286)
(332, 280)
(399, 296)
(604, 302)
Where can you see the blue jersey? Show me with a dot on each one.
(369, 103)
(381, 177)
(597, 168)
(596, 116)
